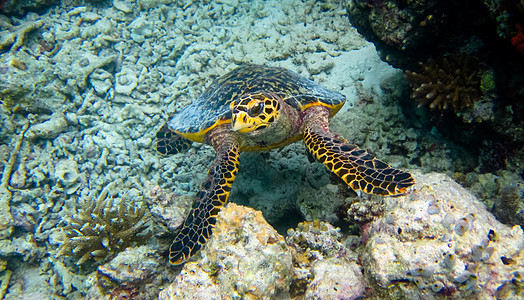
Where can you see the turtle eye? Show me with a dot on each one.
(256, 109)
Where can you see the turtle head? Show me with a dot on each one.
(254, 112)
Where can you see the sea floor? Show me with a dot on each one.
(85, 88)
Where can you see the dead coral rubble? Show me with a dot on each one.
(451, 81)
(98, 230)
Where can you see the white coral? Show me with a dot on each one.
(126, 81)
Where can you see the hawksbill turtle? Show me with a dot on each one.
(255, 108)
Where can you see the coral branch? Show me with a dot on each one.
(105, 230)
(452, 81)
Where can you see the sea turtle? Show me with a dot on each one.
(253, 108)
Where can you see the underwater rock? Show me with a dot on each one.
(132, 266)
(75, 64)
(66, 277)
(20, 94)
(4, 282)
(316, 236)
(126, 81)
(66, 174)
(336, 278)
(283, 184)
(508, 205)
(14, 38)
(365, 210)
(193, 282)
(320, 203)
(458, 250)
(319, 62)
(168, 209)
(24, 246)
(324, 267)
(140, 29)
(123, 6)
(101, 80)
(21, 7)
(48, 129)
(19, 177)
(245, 258)
(6, 219)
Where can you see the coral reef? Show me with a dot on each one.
(508, 207)
(168, 209)
(59, 72)
(317, 236)
(365, 210)
(451, 81)
(133, 272)
(517, 41)
(6, 219)
(336, 278)
(397, 24)
(101, 228)
(14, 38)
(21, 7)
(508, 17)
(245, 258)
(441, 241)
(317, 252)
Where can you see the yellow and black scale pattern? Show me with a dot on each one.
(360, 170)
(357, 168)
(168, 142)
(212, 107)
(213, 194)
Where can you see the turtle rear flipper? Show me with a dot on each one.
(360, 170)
(168, 142)
(213, 194)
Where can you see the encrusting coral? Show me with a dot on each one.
(507, 208)
(311, 242)
(451, 81)
(102, 228)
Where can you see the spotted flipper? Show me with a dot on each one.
(360, 170)
(168, 142)
(213, 194)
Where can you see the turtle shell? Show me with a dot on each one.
(212, 107)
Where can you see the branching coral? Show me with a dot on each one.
(451, 81)
(101, 229)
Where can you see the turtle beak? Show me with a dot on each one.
(240, 126)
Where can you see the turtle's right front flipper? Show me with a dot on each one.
(213, 194)
(360, 170)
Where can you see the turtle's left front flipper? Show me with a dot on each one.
(168, 142)
(213, 194)
(360, 170)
